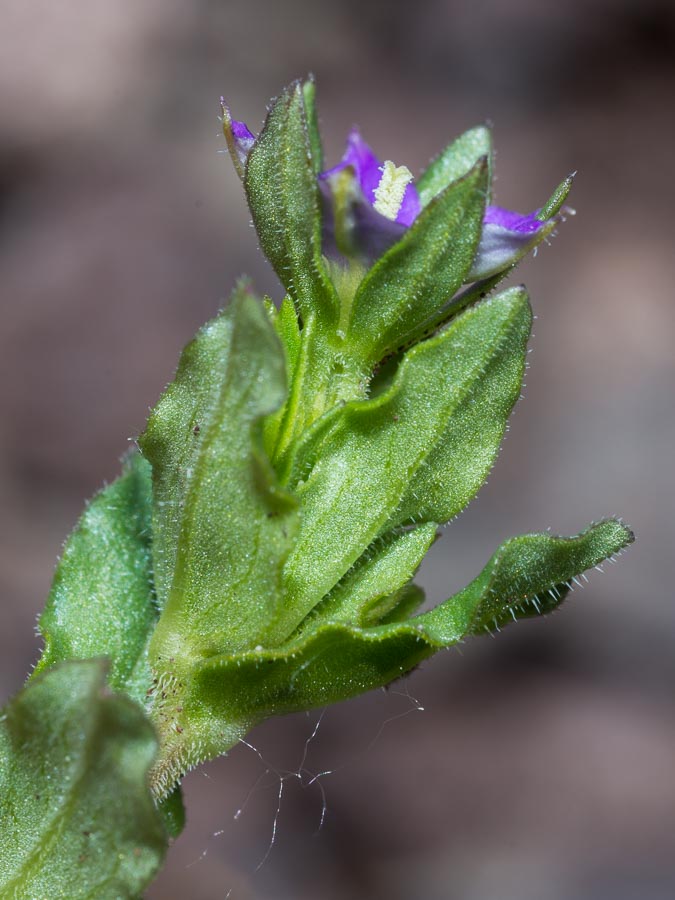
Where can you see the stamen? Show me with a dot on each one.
(389, 192)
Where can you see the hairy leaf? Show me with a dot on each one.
(102, 602)
(223, 526)
(309, 96)
(369, 591)
(437, 491)
(76, 816)
(172, 811)
(336, 661)
(283, 194)
(400, 606)
(422, 271)
(532, 574)
(287, 328)
(450, 399)
(557, 199)
(454, 162)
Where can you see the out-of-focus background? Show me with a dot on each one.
(543, 764)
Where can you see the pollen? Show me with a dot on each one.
(389, 192)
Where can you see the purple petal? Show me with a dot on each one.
(367, 167)
(410, 206)
(506, 236)
(506, 218)
(241, 131)
(243, 140)
(239, 137)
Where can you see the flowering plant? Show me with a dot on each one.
(257, 554)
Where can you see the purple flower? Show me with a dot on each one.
(389, 189)
(384, 202)
(368, 206)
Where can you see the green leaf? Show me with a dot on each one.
(401, 606)
(172, 811)
(369, 591)
(532, 574)
(309, 96)
(287, 328)
(76, 816)
(461, 459)
(222, 525)
(336, 661)
(454, 162)
(555, 202)
(422, 271)
(450, 401)
(283, 194)
(101, 602)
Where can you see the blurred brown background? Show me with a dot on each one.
(543, 766)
